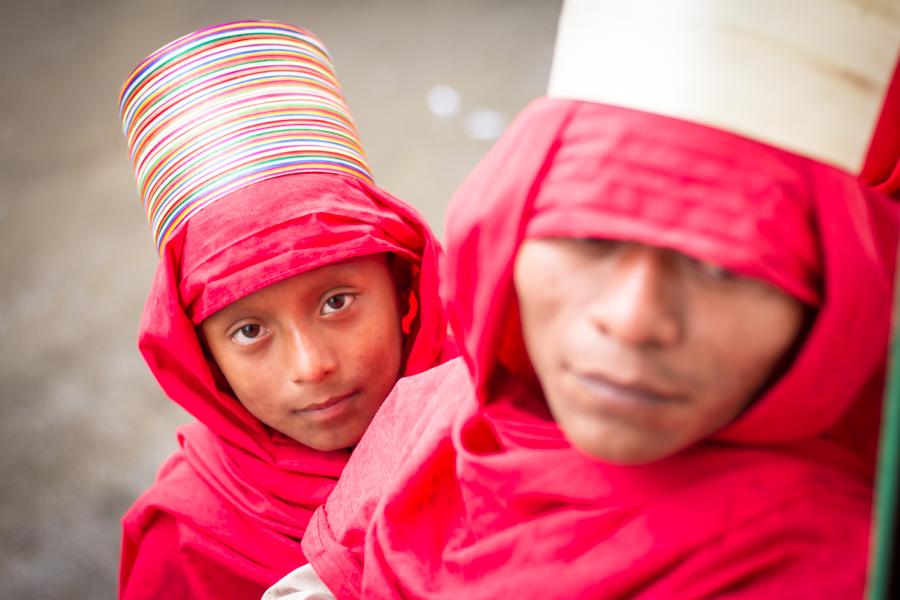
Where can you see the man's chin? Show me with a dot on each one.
(617, 448)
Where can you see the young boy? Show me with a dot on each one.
(674, 340)
(290, 295)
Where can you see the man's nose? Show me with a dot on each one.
(309, 356)
(640, 304)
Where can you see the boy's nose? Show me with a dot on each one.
(309, 357)
(639, 303)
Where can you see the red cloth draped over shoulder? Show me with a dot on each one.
(228, 510)
(490, 500)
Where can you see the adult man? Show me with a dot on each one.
(673, 301)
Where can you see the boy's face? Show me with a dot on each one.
(315, 355)
(642, 351)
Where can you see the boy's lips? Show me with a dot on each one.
(330, 403)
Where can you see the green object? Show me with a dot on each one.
(883, 576)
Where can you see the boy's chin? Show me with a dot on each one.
(330, 441)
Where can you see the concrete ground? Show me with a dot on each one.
(84, 426)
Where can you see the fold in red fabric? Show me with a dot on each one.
(228, 510)
(485, 497)
(881, 168)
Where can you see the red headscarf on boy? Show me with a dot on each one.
(292, 193)
(487, 499)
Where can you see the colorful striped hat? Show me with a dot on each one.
(228, 106)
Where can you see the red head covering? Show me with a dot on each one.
(229, 508)
(489, 500)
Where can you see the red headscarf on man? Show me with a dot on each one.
(489, 500)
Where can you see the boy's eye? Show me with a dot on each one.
(248, 334)
(336, 303)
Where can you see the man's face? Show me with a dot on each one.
(642, 351)
(315, 355)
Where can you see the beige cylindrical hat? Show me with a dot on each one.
(809, 76)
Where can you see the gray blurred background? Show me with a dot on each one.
(84, 426)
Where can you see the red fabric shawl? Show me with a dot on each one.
(228, 510)
(485, 498)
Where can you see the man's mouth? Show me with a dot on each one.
(632, 390)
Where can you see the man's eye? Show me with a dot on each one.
(596, 243)
(337, 303)
(713, 271)
(248, 334)
(594, 247)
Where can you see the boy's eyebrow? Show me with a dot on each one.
(243, 308)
